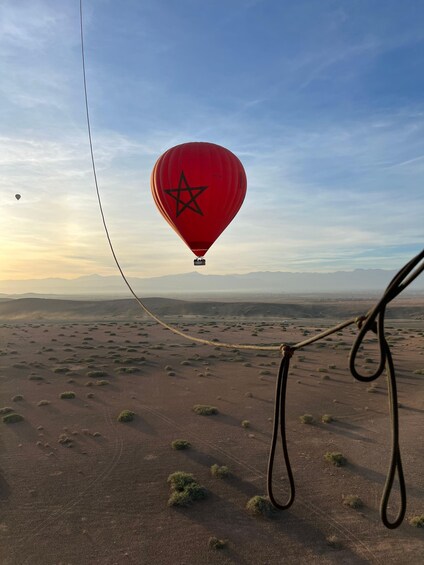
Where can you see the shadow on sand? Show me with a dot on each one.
(346, 429)
(4, 487)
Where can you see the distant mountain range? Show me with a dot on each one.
(259, 283)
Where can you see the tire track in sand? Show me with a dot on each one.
(362, 548)
(54, 516)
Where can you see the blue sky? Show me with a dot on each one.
(322, 102)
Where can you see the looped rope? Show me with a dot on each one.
(280, 418)
(372, 322)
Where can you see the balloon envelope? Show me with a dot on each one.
(198, 188)
(17, 196)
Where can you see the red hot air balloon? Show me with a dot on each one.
(198, 188)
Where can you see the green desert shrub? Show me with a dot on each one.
(417, 521)
(6, 410)
(67, 394)
(43, 403)
(245, 424)
(12, 418)
(179, 444)
(126, 416)
(61, 370)
(352, 501)
(35, 378)
(327, 419)
(184, 489)
(96, 374)
(205, 409)
(196, 492)
(17, 398)
(179, 498)
(180, 480)
(307, 419)
(260, 506)
(216, 543)
(127, 370)
(221, 471)
(102, 382)
(335, 458)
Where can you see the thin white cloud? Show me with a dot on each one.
(323, 194)
(408, 162)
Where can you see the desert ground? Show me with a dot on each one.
(79, 487)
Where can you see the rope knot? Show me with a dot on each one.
(359, 321)
(287, 350)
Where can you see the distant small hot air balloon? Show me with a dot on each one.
(198, 188)
(17, 196)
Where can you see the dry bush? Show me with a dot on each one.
(184, 489)
(220, 471)
(352, 501)
(417, 521)
(333, 541)
(205, 409)
(96, 374)
(307, 419)
(335, 458)
(12, 418)
(65, 440)
(180, 444)
(67, 394)
(260, 506)
(216, 543)
(126, 416)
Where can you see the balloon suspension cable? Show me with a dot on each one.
(373, 321)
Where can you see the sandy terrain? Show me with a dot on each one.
(104, 500)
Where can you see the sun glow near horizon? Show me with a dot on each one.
(331, 144)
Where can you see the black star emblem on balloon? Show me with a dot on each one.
(186, 196)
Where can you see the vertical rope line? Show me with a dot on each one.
(280, 425)
(395, 455)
